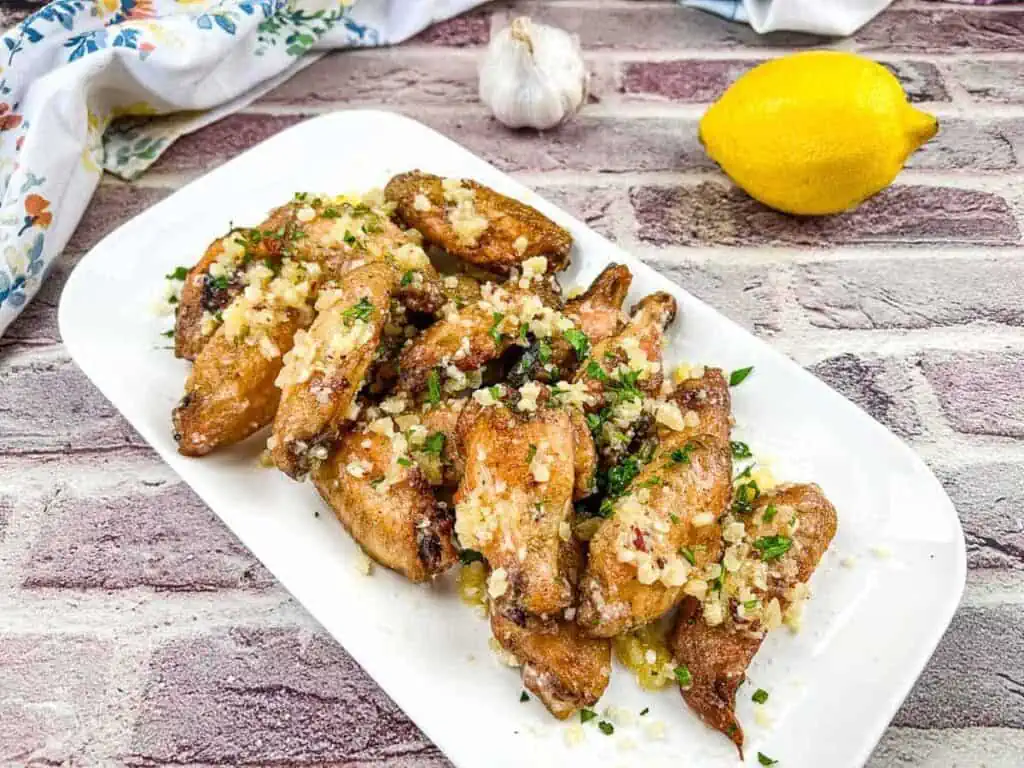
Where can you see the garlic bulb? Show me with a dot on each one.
(533, 75)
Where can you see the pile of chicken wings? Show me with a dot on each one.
(417, 360)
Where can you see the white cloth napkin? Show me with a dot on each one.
(81, 79)
(823, 17)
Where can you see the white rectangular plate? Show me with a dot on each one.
(834, 686)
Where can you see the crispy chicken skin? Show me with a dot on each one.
(707, 397)
(514, 505)
(644, 332)
(325, 370)
(597, 313)
(584, 456)
(444, 418)
(468, 338)
(718, 656)
(388, 508)
(230, 392)
(563, 667)
(508, 221)
(613, 598)
(203, 293)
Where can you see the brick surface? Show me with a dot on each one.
(946, 30)
(962, 145)
(990, 81)
(51, 691)
(168, 540)
(599, 207)
(911, 292)
(471, 28)
(984, 652)
(696, 80)
(206, 149)
(404, 77)
(980, 392)
(592, 143)
(50, 406)
(113, 204)
(653, 27)
(714, 214)
(879, 386)
(276, 696)
(744, 294)
(988, 498)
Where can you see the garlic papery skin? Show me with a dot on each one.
(533, 75)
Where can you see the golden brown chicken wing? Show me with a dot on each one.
(383, 500)
(773, 550)
(563, 667)
(230, 393)
(514, 505)
(213, 283)
(596, 314)
(476, 223)
(465, 339)
(327, 367)
(627, 366)
(662, 531)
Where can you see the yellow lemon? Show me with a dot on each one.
(814, 133)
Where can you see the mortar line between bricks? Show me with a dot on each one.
(774, 255)
(885, 342)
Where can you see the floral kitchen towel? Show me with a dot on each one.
(77, 77)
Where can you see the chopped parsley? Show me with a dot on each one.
(531, 453)
(467, 556)
(595, 371)
(750, 605)
(350, 239)
(434, 387)
(495, 392)
(644, 711)
(744, 497)
(494, 333)
(523, 697)
(404, 461)
(606, 728)
(406, 278)
(773, 547)
(760, 695)
(179, 273)
(169, 334)
(586, 715)
(769, 513)
(737, 377)
(763, 759)
(219, 283)
(621, 475)
(359, 311)
(579, 341)
(524, 329)
(688, 554)
(651, 482)
(544, 351)
(681, 455)
(683, 676)
(434, 443)
(376, 481)
(330, 212)
(740, 450)
(172, 299)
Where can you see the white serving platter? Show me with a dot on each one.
(833, 687)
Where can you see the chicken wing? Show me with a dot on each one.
(597, 314)
(514, 505)
(327, 367)
(385, 503)
(476, 223)
(443, 418)
(663, 530)
(214, 282)
(774, 549)
(465, 339)
(563, 667)
(230, 392)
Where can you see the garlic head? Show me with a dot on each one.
(533, 75)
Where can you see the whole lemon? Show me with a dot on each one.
(814, 133)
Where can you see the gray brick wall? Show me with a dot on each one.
(134, 629)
